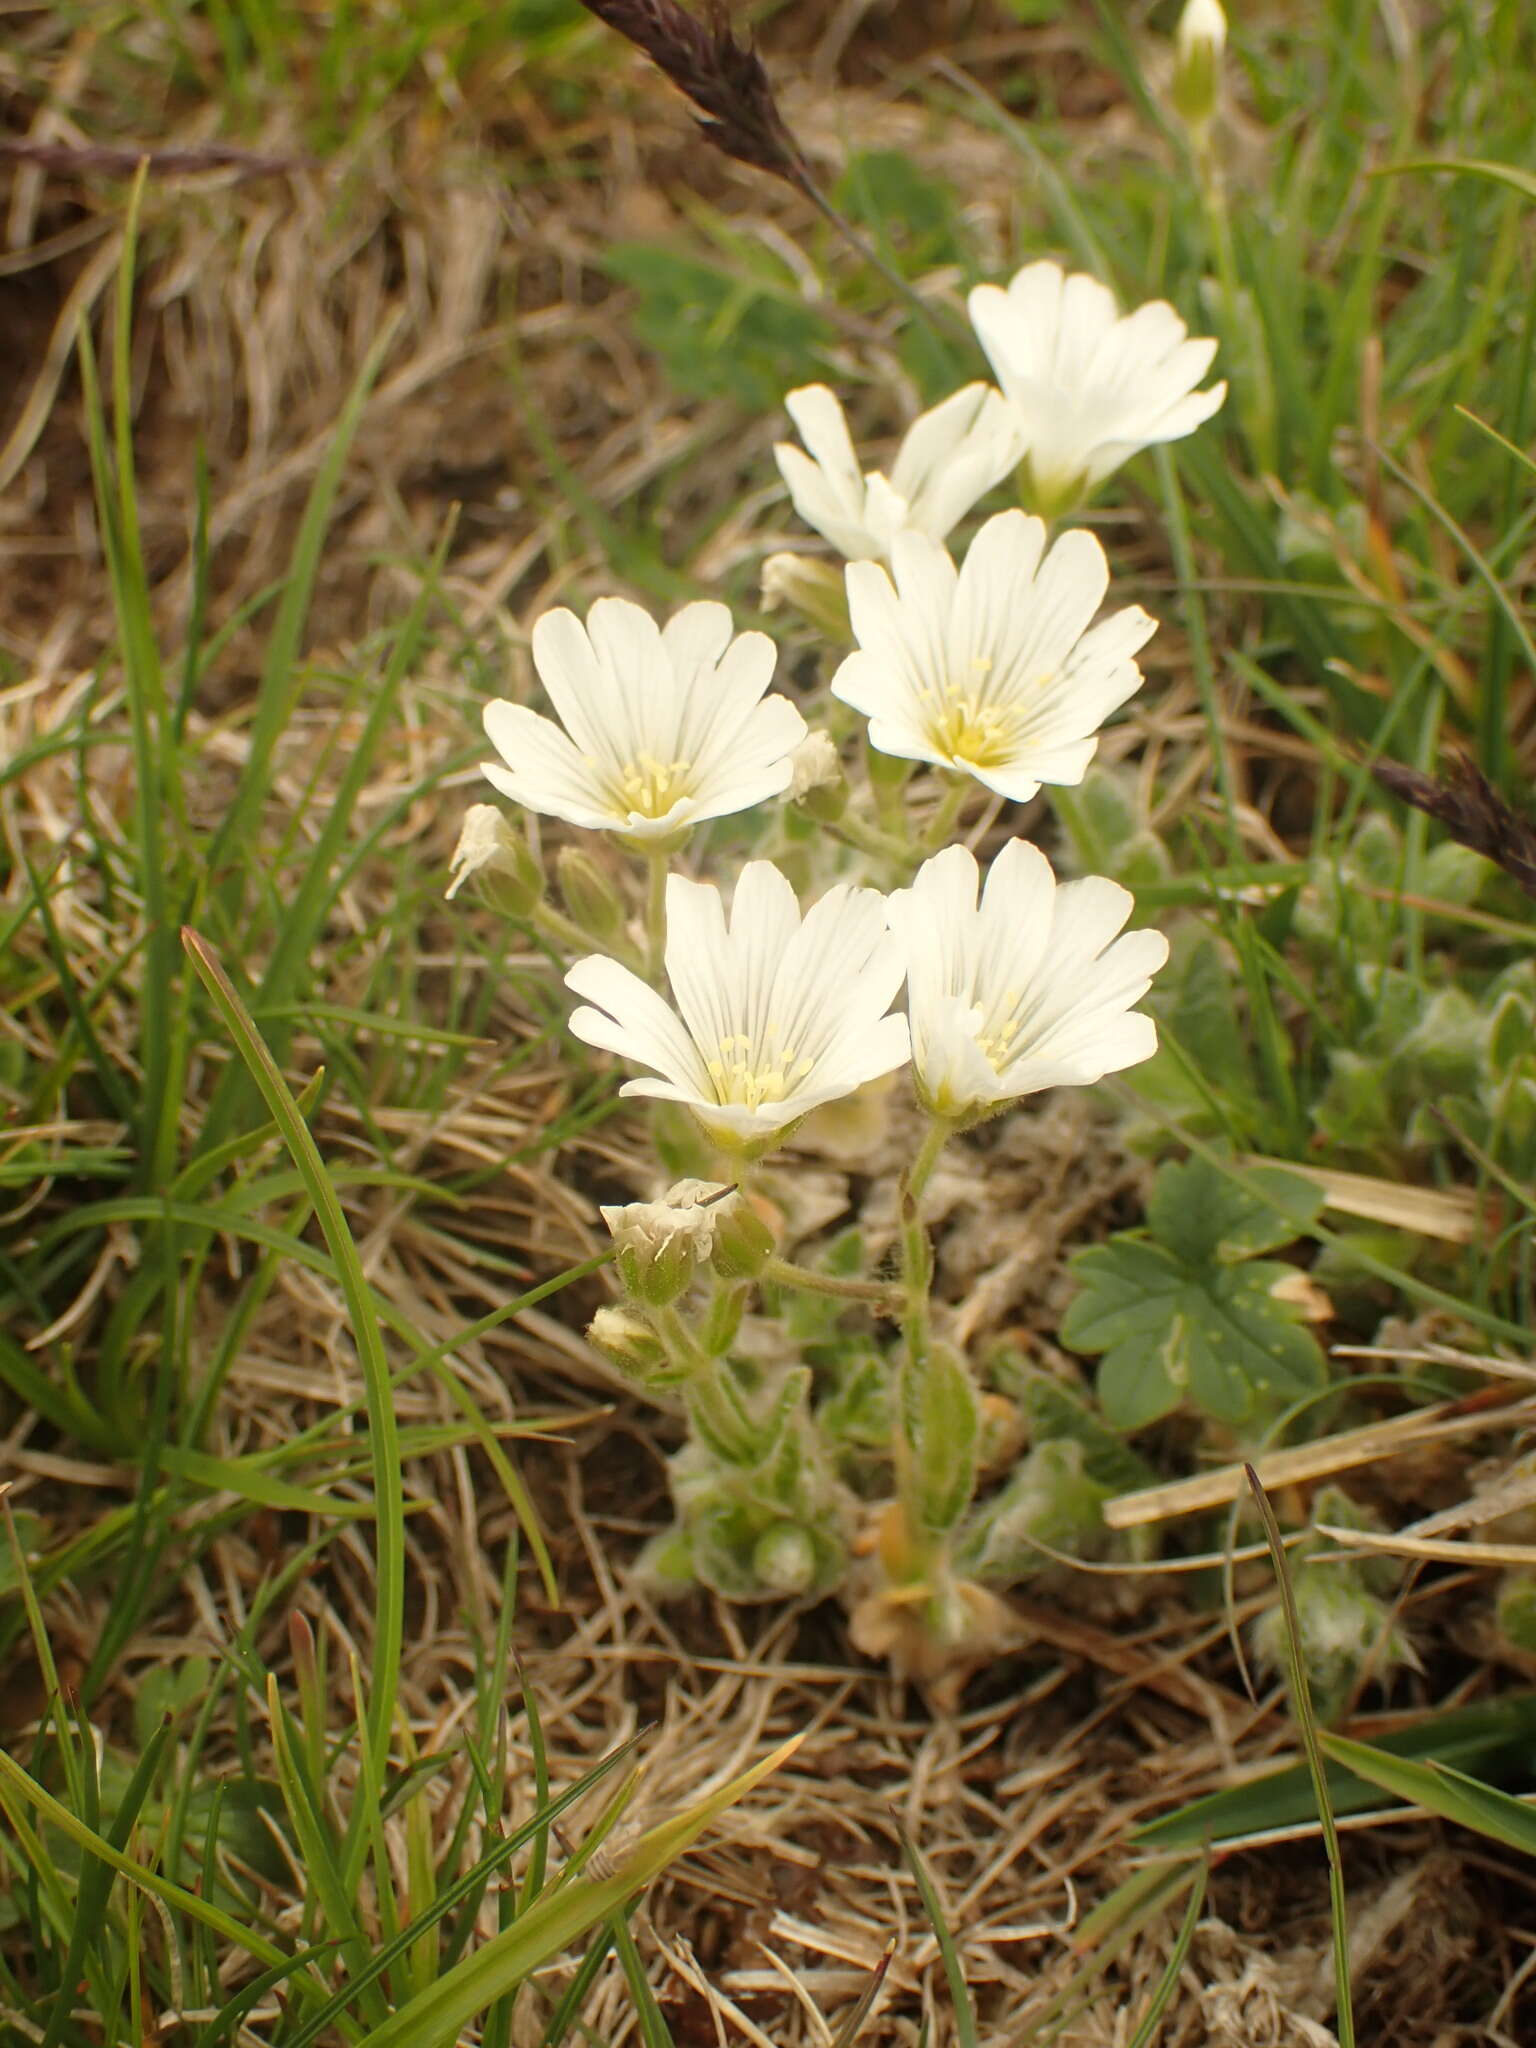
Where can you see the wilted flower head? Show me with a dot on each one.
(950, 457)
(659, 1244)
(662, 727)
(1088, 388)
(492, 852)
(775, 1014)
(814, 765)
(994, 669)
(1029, 989)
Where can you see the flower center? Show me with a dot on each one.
(965, 727)
(751, 1074)
(649, 787)
(999, 1032)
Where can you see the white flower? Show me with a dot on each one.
(950, 457)
(993, 669)
(663, 728)
(1031, 990)
(778, 1014)
(1202, 29)
(1088, 389)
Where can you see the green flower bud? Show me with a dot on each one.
(589, 896)
(660, 1245)
(500, 860)
(1199, 43)
(630, 1343)
(811, 587)
(743, 1241)
(784, 1559)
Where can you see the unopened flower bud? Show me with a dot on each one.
(504, 869)
(784, 1559)
(589, 896)
(811, 587)
(661, 1244)
(744, 1243)
(632, 1345)
(1198, 45)
(817, 780)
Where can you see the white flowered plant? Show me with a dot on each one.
(1088, 387)
(1030, 988)
(868, 944)
(949, 459)
(776, 1014)
(659, 728)
(995, 669)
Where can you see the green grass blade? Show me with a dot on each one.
(1306, 1721)
(388, 1493)
(954, 1969)
(282, 675)
(1440, 1789)
(500, 1964)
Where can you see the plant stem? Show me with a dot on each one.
(683, 1348)
(917, 1280)
(562, 931)
(655, 913)
(944, 820)
(785, 1273)
(869, 838)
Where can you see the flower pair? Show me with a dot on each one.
(993, 669)
(778, 1014)
(1082, 390)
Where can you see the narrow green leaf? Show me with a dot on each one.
(436, 2016)
(388, 1493)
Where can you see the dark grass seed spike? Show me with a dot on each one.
(723, 77)
(725, 80)
(1471, 810)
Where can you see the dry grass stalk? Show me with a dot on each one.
(1344, 1452)
(122, 160)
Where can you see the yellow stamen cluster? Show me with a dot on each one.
(649, 787)
(750, 1074)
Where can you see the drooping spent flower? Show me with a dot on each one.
(498, 859)
(1088, 388)
(776, 1014)
(658, 1245)
(950, 457)
(661, 727)
(995, 669)
(1030, 988)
